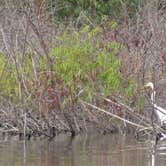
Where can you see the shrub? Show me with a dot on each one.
(97, 9)
(82, 62)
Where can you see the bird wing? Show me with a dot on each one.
(161, 112)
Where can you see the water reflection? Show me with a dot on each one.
(83, 150)
(158, 154)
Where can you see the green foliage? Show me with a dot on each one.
(8, 78)
(81, 62)
(9, 82)
(97, 9)
(140, 102)
(130, 87)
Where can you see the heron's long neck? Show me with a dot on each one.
(153, 97)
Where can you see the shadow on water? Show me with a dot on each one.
(82, 150)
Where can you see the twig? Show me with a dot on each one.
(128, 109)
(113, 115)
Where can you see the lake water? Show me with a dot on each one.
(83, 150)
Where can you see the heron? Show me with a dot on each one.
(160, 112)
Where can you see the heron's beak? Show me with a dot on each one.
(146, 85)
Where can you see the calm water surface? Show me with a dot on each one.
(83, 150)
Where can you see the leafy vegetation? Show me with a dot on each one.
(81, 62)
(96, 10)
(8, 78)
